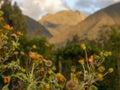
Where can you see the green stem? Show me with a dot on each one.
(103, 59)
(31, 74)
(83, 70)
(9, 53)
(105, 74)
(86, 58)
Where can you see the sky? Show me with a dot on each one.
(38, 8)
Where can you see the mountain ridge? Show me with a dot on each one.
(58, 22)
(36, 30)
(91, 26)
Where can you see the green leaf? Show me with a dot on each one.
(1, 13)
(5, 87)
(93, 87)
(21, 76)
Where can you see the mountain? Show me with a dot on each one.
(57, 23)
(35, 29)
(91, 27)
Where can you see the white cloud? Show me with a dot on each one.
(36, 8)
(90, 6)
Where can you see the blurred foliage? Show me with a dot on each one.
(13, 16)
(39, 45)
(111, 41)
(71, 53)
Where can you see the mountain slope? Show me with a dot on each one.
(92, 25)
(57, 23)
(35, 29)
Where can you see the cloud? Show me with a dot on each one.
(37, 8)
(90, 6)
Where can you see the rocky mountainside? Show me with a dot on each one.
(57, 23)
(92, 25)
(35, 29)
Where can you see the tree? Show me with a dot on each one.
(13, 16)
(110, 41)
(115, 47)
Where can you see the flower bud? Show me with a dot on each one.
(110, 70)
(83, 46)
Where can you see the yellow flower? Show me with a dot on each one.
(2, 19)
(16, 53)
(107, 53)
(6, 79)
(75, 79)
(101, 68)
(48, 63)
(8, 27)
(22, 53)
(72, 74)
(34, 55)
(47, 87)
(63, 79)
(91, 58)
(110, 53)
(100, 76)
(81, 61)
(3, 36)
(20, 33)
(50, 71)
(83, 46)
(73, 68)
(53, 68)
(110, 70)
(34, 46)
(59, 75)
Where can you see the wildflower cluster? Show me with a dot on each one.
(36, 74)
(92, 71)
